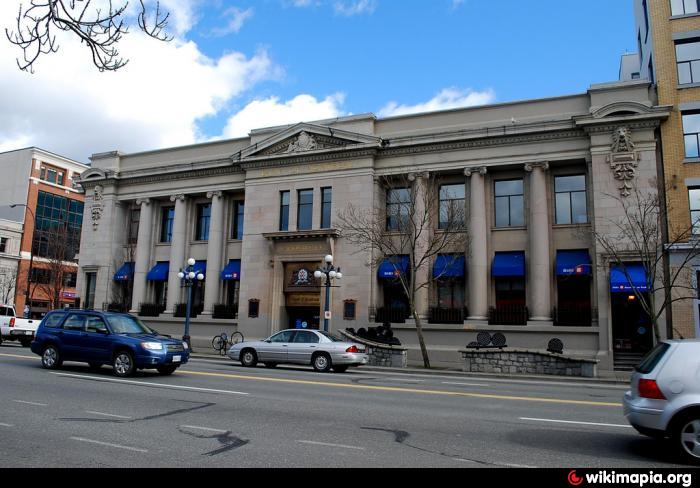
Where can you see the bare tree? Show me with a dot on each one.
(638, 237)
(58, 247)
(8, 284)
(99, 24)
(408, 226)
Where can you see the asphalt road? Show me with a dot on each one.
(218, 414)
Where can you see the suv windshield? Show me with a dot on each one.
(652, 359)
(123, 324)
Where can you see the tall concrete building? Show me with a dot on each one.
(668, 37)
(37, 194)
(258, 215)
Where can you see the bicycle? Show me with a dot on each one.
(222, 342)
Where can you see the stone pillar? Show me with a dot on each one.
(143, 254)
(177, 251)
(540, 269)
(214, 252)
(478, 245)
(422, 225)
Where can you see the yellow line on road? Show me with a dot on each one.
(18, 356)
(404, 390)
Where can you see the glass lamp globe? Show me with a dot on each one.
(339, 276)
(181, 275)
(191, 261)
(332, 274)
(191, 275)
(200, 277)
(328, 259)
(318, 274)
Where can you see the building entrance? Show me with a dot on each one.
(633, 334)
(304, 317)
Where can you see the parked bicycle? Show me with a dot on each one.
(222, 342)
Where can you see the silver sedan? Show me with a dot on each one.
(319, 349)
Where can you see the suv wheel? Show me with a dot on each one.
(687, 437)
(322, 363)
(51, 358)
(123, 364)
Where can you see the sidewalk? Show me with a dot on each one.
(619, 378)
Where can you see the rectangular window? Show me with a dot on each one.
(90, 284)
(691, 131)
(284, 211)
(203, 221)
(451, 206)
(134, 219)
(349, 310)
(253, 308)
(167, 219)
(71, 280)
(305, 209)
(239, 212)
(510, 203)
(684, 7)
(694, 195)
(60, 178)
(570, 199)
(326, 207)
(57, 227)
(688, 61)
(3, 244)
(398, 209)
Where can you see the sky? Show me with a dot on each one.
(238, 65)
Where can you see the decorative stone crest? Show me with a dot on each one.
(97, 207)
(305, 142)
(623, 160)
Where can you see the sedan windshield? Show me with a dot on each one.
(123, 324)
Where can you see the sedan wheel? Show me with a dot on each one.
(689, 438)
(322, 363)
(248, 358)
(123, 364)
(51, 358)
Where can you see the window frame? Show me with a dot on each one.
(238, 220)
(202, 222)
(326, 206)
(571, 206)
(694, 223)
(306, 208)
(4, 244)
(510, 198)
(683, 4)
(284, 210)
(166, 224)
(444, 225)
(696, 135)
(400, 205)
(690, 62)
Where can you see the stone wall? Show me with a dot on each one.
(380, 354)
(524, 361)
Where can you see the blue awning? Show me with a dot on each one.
(508, 265)
(449, 266)
(125, 273)
(573, 263)
(232, 271)
(627, 278)
(159, 272)
(393, 267)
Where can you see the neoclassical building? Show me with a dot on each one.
(258, 215)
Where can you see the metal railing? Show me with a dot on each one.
(508, 315)
(151, 309)
(392, 315)
(223, 311)
(447, 315)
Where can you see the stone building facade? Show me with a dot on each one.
(258, 215)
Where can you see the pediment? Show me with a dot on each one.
(308, 138)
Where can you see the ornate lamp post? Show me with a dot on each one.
(329, 272)
(189, 278)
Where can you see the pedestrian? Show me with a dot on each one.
(26, 311)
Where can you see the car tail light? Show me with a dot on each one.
(12, 322)
(352, 349)
(649, 389)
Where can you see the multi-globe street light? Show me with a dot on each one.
(189, 278)
(330, 273)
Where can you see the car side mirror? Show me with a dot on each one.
(103, 331)
(268, 341)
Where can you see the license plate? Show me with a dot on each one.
(177, 359)
(21, 332)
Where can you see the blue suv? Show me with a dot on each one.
(100, 338)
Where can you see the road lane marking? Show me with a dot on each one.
(208, 429)
(341, 446)
(404, 390)
(463, 384)
(402, 380)
(577, 422)
(107, 444)
(6, 425)
(18, 356)
(31, 403)
(108, 415)
(144, 383)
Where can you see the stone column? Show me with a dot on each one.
(540, 269)
(214, 252)
(143, 254)
(477, 254)
(420, 189)
(177, 250)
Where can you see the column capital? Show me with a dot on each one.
(482, 170)
(217, 194)
(416, 175)
(143, 201)
(180, 196)
(543, 165)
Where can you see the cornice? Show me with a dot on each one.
(304, 158)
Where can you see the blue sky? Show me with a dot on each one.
(236, 65)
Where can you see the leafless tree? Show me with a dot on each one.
(99, 24)
(412, 216)
(8, 284)
(59, 248)
(638, 237)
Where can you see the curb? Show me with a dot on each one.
(462, 374)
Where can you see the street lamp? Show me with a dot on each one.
(189, 277)
(27, 301)
(330, 273)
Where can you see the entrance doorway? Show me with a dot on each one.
(633, 334)
(304, 317)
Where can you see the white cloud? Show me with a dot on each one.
(448, 98)
(354, 7)
(236, 19)
(69, 107)
(271, 112)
